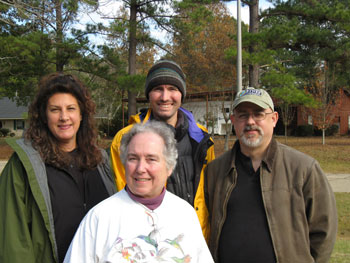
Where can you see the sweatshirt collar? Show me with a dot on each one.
(150, 203)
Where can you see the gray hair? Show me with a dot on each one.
(156, 127)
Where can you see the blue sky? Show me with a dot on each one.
(110, 8)
(232, 6)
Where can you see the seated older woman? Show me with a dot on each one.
(143, 222)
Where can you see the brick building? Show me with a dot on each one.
(342, 115)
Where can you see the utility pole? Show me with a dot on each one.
(239, 47)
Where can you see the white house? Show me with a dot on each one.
(13, 117)
(200, 110)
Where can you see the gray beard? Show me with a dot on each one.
(252, 143)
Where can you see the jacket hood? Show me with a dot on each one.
(194, 131)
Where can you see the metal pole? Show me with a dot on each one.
(239, 48)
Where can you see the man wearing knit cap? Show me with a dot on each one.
(165, 89)
(267, 202)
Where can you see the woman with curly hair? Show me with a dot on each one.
(55, 175)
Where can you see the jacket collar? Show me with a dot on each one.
(230, 158)
(193, 130)
(268, 158)
(270, 154)
(143, 116)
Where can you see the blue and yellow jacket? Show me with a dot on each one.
(204, 143)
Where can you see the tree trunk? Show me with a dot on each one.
(59, 37)
(324, 128)
(285, 132)
(212, 126)
(323, 136)
(227, 137)
(132, 55)
(253, 28)
(227, 130)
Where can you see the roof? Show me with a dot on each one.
(10, 110)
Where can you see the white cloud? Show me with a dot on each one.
(110, 8)
(232, 7)
(106, 8)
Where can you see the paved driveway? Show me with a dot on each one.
(339, 182)
(2, 165)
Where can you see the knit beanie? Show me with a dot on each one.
(166, 72)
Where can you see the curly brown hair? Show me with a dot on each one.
(39, 134)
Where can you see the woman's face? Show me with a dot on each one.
(63, 119)
(145, 168)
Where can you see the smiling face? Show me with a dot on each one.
(63, 119)
(165, 100)
(146, 170)
(254, 134)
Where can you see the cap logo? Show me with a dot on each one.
(250, 92)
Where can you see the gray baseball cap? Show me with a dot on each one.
(257, 96)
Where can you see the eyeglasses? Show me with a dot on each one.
(257, 116)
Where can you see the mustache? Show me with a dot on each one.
(252, 127)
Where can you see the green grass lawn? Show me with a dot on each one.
(334, 156)
(341, 252)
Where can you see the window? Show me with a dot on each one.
(18, 125)
(309, 120)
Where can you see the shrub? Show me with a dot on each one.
(304, 131)
(329, 131)
(4, 132)
(332, 130)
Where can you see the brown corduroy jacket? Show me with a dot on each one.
(298, 200)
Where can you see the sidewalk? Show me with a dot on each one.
(339, 182)
(2, 164)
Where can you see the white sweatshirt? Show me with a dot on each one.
(121, 230)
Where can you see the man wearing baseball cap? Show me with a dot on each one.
(267, 202)
(165, 89)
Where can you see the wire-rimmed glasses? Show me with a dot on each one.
(257, 115)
